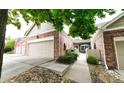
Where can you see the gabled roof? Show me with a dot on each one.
(29, 30)
(45, 26)
(100, 25)
(112, 21)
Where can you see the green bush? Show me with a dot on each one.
(9, 45)
(7, 49)
(92, 60)
(66, 59)
(71, 52)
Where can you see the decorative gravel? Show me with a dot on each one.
(36, 75)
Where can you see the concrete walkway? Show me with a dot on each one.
(58, 68)
(79, 71)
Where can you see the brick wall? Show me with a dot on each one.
(56, 44)
(56, 40)
(60, 38)
(100, 46)
(109, 47)
(64, 39)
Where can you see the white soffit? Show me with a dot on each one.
(118, 28)
(42, 39)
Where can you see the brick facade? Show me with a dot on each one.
(65, 41)
(110, 48)
(100, 46)
(56, 44)
(60, 38)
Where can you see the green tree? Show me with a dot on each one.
(81, 22)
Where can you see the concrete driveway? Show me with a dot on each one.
(15, 64)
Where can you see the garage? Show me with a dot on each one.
(18, 50)
(23, 50)
(120, 54)
(41, 49)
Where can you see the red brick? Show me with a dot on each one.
(109, 47)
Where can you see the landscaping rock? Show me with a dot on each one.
(101, 75)
(36, 75)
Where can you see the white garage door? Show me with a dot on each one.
(18, 50)
(42, 49)
(23, 49)
(120, 53)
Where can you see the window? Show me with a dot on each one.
(64, 47)
(94, 45)
(76, 46)
(37, 37)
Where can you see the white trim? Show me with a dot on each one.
(116, 54)
(47, 31)
(112, 29)
(85, 45)
(28, 31)
(118, 38)
(104, 53)
(115, 40)
(41, 39)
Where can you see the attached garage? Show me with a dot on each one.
(41, 48)
(119, 48)
(44, 41)
(23, 49)
(18, 50)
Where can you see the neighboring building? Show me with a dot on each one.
(20, 46)
(44, 41)
(109, 40)
(82, 45)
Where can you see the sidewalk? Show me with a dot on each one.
(79, 71)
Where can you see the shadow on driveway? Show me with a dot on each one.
(15, 64)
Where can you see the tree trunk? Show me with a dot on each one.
(3, 22)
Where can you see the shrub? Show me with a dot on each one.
(72, 53)
(9, 45)
(66, 59)
(92, 60)
(7, 49)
